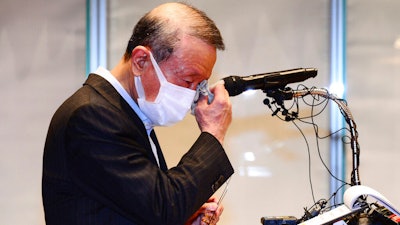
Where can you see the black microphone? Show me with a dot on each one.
(236, 85)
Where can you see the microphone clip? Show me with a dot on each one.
(279, 96)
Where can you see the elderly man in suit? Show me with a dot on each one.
(102, 162)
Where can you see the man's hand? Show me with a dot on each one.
(216, 117)
(208, 214)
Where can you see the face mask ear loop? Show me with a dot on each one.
(139, 87)
(160, 74)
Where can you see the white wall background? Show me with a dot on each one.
(42, 59)
(373, 90)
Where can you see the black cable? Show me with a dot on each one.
(309, 161)
(291, 112)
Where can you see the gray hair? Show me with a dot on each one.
(160, 30)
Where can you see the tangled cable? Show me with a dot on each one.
(285, 104)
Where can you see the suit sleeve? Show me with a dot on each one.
(109, 159)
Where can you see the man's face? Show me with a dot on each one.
(191, 62)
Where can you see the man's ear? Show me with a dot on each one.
(138, 59)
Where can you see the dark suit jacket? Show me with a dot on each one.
(98, 166)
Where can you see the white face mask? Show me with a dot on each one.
(171, 104)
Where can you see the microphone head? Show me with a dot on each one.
(233, 85)
(236, 85)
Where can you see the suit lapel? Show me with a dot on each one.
(105, 89)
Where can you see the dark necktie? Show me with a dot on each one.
(157, 151)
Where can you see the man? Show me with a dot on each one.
(102, 163)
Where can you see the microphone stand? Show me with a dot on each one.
(280, 95)
(355, 206)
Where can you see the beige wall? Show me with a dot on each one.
(43, 61)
